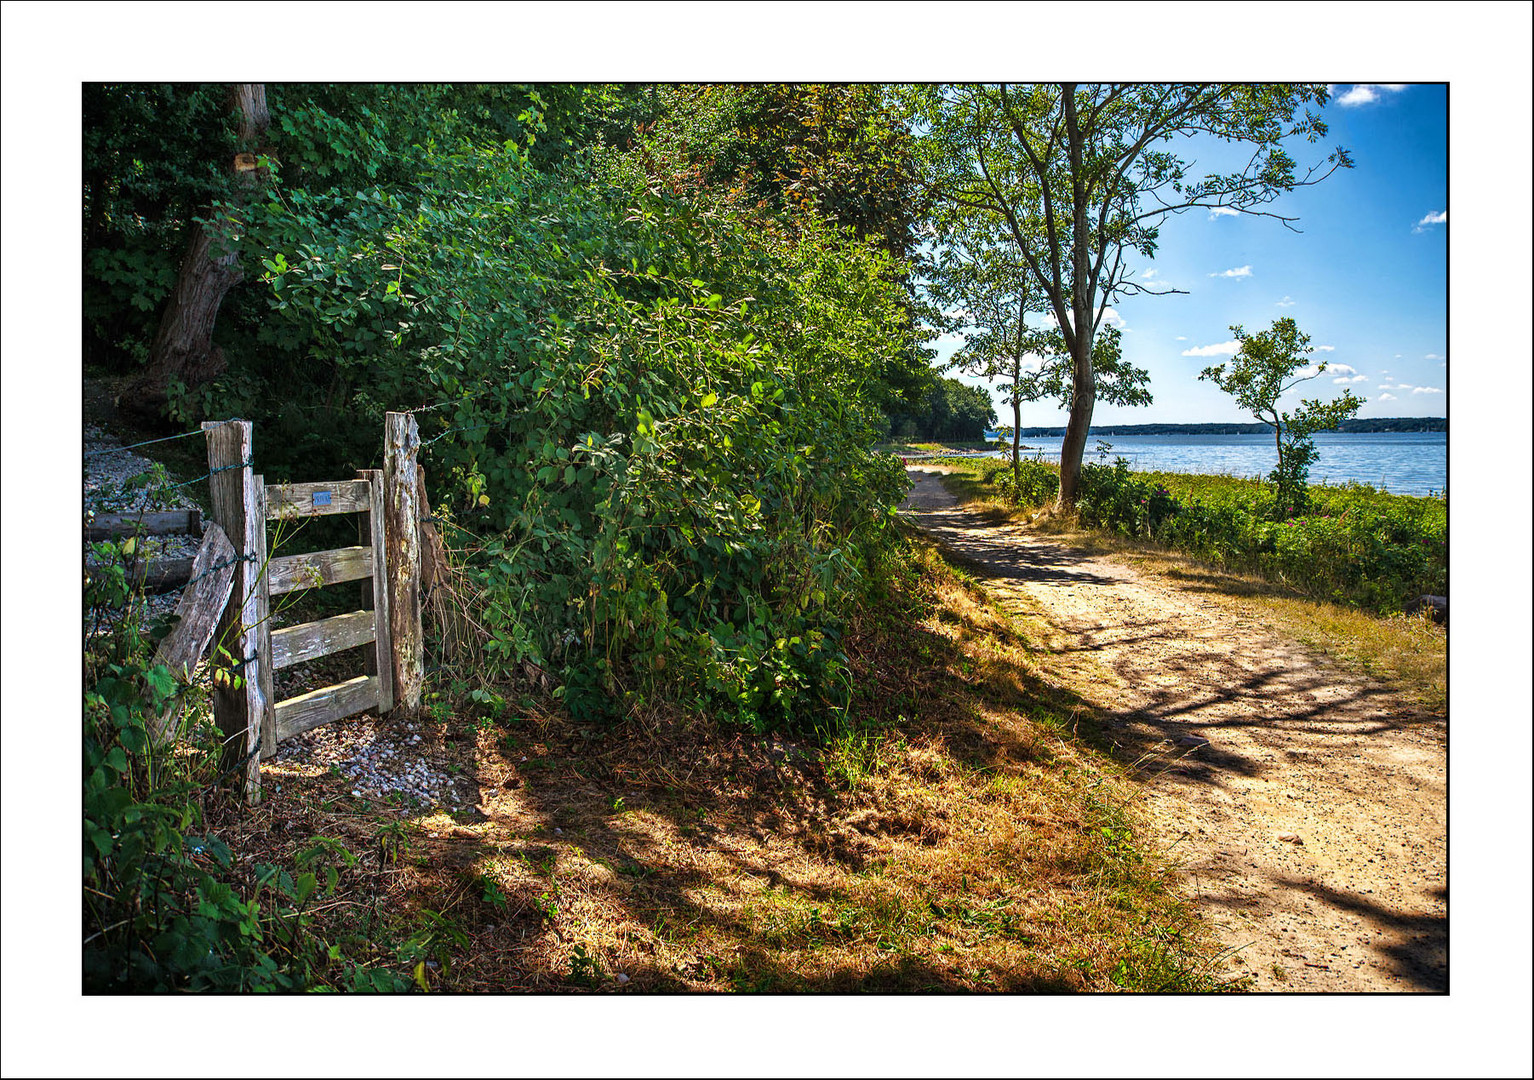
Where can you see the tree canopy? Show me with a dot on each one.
(1065, 183)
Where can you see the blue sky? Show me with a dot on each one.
(1366, 277)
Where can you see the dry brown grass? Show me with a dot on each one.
(961, 834)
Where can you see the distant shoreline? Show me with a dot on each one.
(1349, 427)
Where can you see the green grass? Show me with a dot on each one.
(1353, 545)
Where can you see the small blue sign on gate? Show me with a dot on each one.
(322, 498)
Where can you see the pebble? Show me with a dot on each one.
(104, 493)
(380, 759)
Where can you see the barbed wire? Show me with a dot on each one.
(450, 431)
(147, 442)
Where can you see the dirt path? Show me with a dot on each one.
(1307, 806)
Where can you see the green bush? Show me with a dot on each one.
(653, 403)
(1034, 485)
(1354, 546)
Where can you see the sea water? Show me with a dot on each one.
(1405, 463)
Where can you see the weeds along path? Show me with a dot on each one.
(1306, 806)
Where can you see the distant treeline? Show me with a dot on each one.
(1352, 427)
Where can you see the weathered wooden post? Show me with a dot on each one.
(402, 539)
(198, 612)
(239, 705)
(261, 673)
(373, 531)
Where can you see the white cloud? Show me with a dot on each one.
(1426, 390)
(1367, 93)
(1355, 378)
(1113, 318)
(1395, 386)
(1222, 211)
(1438, 217)
(1326, 348)
(1239, 271)
(1342, 369)
(1285, 302)
(1228, 348)
(1432, 356)
(1361, 94)
(1149, 273)
(1386, 397)
(1181, 337)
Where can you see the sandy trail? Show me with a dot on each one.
(1307, 806)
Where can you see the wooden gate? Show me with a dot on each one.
(291, 645)
(387, 561)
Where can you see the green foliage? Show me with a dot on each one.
(653, 401)
(1354, 545)
(151, 154)
(649, 366)
(1261, 372)
(951, 412)
(165, 905)
(1031, 483)
(802, 153)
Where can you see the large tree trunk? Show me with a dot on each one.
(1083, 398)
(1084, 381)
(183, 349)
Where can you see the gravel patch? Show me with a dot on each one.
(382, 759)
(115, 483)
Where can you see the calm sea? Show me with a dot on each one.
(1406, 463)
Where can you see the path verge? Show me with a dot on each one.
(1306, 804)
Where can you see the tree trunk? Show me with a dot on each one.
(183, 349)
(1084, 382)
(1017, 436)
(1083, 398)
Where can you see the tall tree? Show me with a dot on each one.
(183, 348)
(1076, 177)
(991, 300)
(992, 294)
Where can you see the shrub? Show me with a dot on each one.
(1034, 484)
(1354, 546)
(654, 402)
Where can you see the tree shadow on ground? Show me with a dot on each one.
(1417, 946)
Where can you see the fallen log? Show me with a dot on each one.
(156, 523)
(153, 575)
